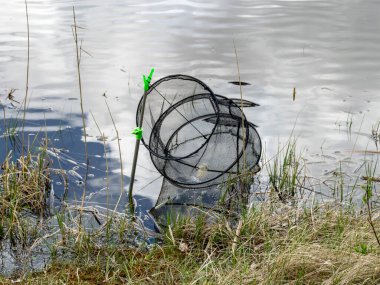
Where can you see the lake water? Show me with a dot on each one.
(327, 50)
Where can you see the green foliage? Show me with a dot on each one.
(285, 172)
(362, 249)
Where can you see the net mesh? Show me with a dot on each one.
(200, 142)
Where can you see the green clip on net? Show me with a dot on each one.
(138, 132)
(147, 80)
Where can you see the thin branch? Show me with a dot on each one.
(81, 107)
(120, 157)
(27, 76)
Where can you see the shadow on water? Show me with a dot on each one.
(65, 148)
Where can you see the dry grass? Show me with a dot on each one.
(24, 193)
(25, 184)
(285, 246)
(277, 244)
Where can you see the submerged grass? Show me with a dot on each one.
(277, 244)
(286, 172)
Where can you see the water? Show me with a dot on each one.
(327, 50)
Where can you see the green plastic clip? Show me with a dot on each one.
(147, 80)
(138, 132)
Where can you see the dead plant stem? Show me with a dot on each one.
(370, 220)
(105, 156)
(120, 158)
(27, 77)
(241, 107)
(82, 110)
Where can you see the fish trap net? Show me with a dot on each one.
(201, 143)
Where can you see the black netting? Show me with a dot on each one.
(198, 141)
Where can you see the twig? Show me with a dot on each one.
(367, 198)
(371, 221)
(105, 156)
(120, 158)
(357, 137)
(241, 107)
(236, 237)
(82, 110)
(27, 77)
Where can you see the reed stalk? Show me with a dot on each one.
(78, 59)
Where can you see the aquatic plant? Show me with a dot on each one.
(24, 196)
(286, 172)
